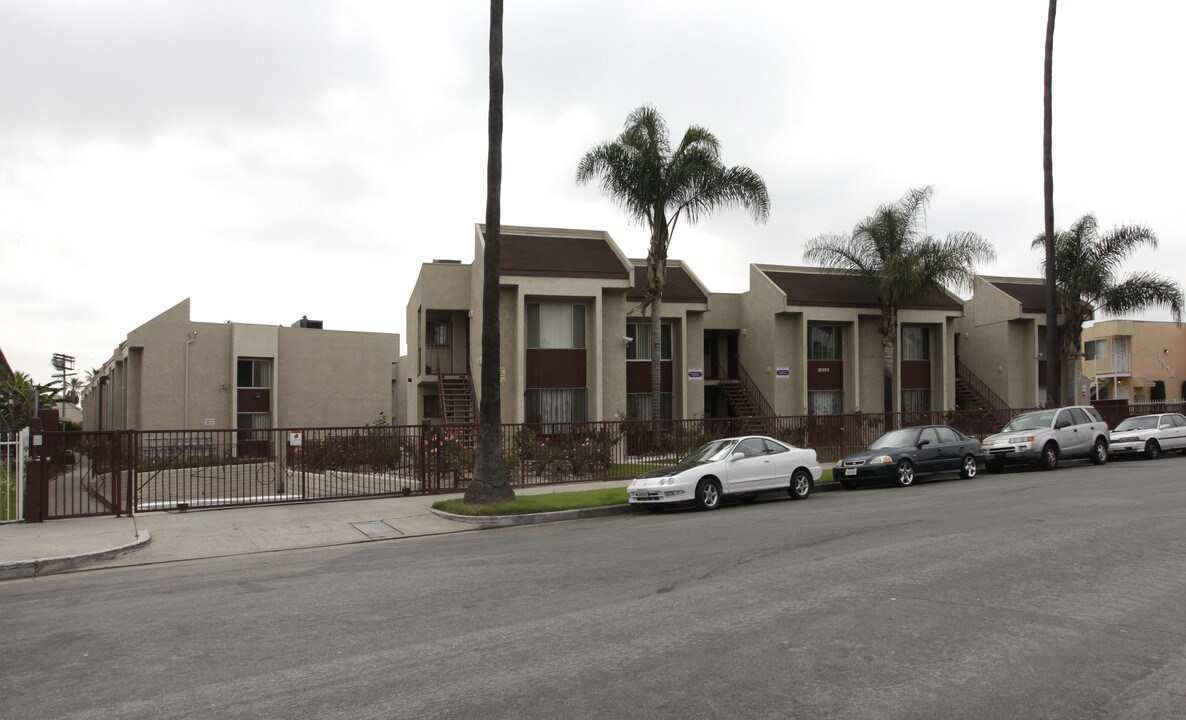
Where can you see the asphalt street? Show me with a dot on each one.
(1026, 594)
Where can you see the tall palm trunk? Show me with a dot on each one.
(1053, 389)
(656, 280)
(489, 484)
(889, 340)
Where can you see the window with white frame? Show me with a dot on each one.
(824, 342)
(555, 325)
(639, 347)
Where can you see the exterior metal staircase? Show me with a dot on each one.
(972, 393)
(457, 399)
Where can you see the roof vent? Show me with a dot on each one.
(446, 262)
(305, 322)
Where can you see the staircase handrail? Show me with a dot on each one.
(981, 388)
(751, 388)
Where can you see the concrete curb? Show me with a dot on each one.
(534, 518)
(46, 566)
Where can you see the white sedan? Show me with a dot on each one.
(739, 467)
(1149, 434)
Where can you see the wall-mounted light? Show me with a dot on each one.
(1166, 351)
(742, 331)
(627, 340)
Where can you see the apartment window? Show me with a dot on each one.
(254, 373)
(436, 333)
(825, 402)
(918, 400)
(638, 406)
(823, 342)
(639, 347)
(1095, 349)
(555, 325)
(432, 407)
(916, 343)
(554, 406)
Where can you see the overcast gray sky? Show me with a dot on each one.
(277, 158)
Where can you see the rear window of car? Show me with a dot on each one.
(1179, 420)
(1079, 417)
(1094, 414)
(947, 435)
(773, 447)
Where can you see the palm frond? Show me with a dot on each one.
(1141, 291)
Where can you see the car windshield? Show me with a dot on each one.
(1138, 423)
(710, 452)
(896, 438)
(1031, 421)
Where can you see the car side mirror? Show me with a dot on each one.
(737, 456)
(923, 442)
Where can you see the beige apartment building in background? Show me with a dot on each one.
(1136, 360)
(173, 373)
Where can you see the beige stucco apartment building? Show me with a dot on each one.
(1001, 340)
(1127, 359)
(173, 373)
(576, 348)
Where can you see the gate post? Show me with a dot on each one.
(36, 476)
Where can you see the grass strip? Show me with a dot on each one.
(548, 502)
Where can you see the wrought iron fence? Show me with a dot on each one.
(96, 473)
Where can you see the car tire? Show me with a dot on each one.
(801, 484)
(708, 495)
(905, 476)
(1099, 452)
(968, 468)
(1049, 458)
(1152, 450)
(848, 484)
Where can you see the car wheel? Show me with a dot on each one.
(968, 471)
(905, 474)
(708, 495)
(1049, 459)
(848, 484)
(1099, 452)
(994, 468)
(800, 485)
(1152, 450)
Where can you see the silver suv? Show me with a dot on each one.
(1046, 436)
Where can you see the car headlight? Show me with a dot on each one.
(1022, 439)
(881, 460)
(1127, 438)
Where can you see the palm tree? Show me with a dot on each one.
(1088, 264)
(21, 398)
(489, 484)
(892, 250)
(1051, 349)
(660, 185)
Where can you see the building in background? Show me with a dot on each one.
(1136, 360)
(172, 373)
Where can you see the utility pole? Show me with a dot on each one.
(65, 365)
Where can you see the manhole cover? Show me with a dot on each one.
(375, 528)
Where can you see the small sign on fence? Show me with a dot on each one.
(294, 439)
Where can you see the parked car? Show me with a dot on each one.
(742, 467)
(1047, 436)
(1149, 434)
(904, 455)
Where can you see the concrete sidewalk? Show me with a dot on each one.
(28, 550)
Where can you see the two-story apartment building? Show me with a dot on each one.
(1135, 360)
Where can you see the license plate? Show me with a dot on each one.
(850, 471)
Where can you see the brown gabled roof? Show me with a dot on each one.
(839, 290)
(1032, 296)
(679, 288)
(578, 257)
